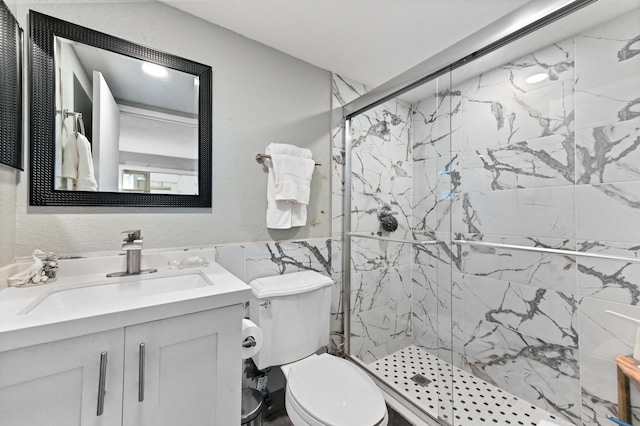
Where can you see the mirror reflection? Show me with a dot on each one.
(123, 124)
(104, 132)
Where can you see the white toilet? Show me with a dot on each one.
(322, 390)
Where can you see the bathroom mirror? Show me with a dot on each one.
(10, 89)
(141, 118)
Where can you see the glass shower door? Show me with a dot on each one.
(400, 310)
(507, 173)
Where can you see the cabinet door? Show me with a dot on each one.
(57, 383)
(184, 370)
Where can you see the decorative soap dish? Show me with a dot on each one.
(43, 271)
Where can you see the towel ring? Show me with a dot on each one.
(78, 122)
(261, 157)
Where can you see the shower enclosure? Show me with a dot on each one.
(513, 172)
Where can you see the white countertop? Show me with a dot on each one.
(19, 329)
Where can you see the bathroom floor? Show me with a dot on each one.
(281, 419)
(278, 419)
(416, 374)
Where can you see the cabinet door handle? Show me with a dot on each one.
(141, 373)
(102, 382)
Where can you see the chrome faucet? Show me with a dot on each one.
(132, 245)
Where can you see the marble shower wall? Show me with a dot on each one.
(381, 172)
(493, 159)
(552, 165)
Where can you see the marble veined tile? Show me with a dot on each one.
(542, 112)
(447, 172)
(609, 279)
(345, 90)
(508, 80)
(544, 314)
(543, 373)
(380, 175)
(424, 143)
(426, 255)
(424, 215)
(383, 129)
(383, 165)
(538, 212)
(369, 254)
(600, 392)
(609, 43)
(337, 212)
(279, 258)
(425, 175)
(337, 243)
(373, 289)
(608, 212)
(424, 128)
(546, 161)
(609, 153)
(543, 270)
(364, 216)
(604, 335)
(425, 286)
(442, 255)
(608, 95)
(337, 169)
(372, 332)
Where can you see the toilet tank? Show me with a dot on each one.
(292, 310)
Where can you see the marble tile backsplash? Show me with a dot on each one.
(255, 260)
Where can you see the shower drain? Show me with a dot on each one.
(421, 380)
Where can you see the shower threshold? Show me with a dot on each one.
(417, 375)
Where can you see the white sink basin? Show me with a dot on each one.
(109, 291)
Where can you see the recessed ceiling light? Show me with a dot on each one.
(154, 70)
(536, 78)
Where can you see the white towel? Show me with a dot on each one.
(70, 158)
(86, 177)
(77, 163)
(288, 185)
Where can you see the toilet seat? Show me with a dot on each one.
(329, 391)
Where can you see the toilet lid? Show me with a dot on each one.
(336, 392)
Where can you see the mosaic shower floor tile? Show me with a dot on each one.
(464, 399)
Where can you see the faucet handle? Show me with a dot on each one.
(132, 236)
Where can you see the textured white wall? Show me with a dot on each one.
(8, 182)
(260, 96)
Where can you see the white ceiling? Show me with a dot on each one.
(367, 41)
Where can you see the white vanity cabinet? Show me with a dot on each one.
(56, 383)
(192, 370)
(182, 370)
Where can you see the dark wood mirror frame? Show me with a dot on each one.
(43, 28)
(10, 89)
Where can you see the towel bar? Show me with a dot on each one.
(261, 157)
